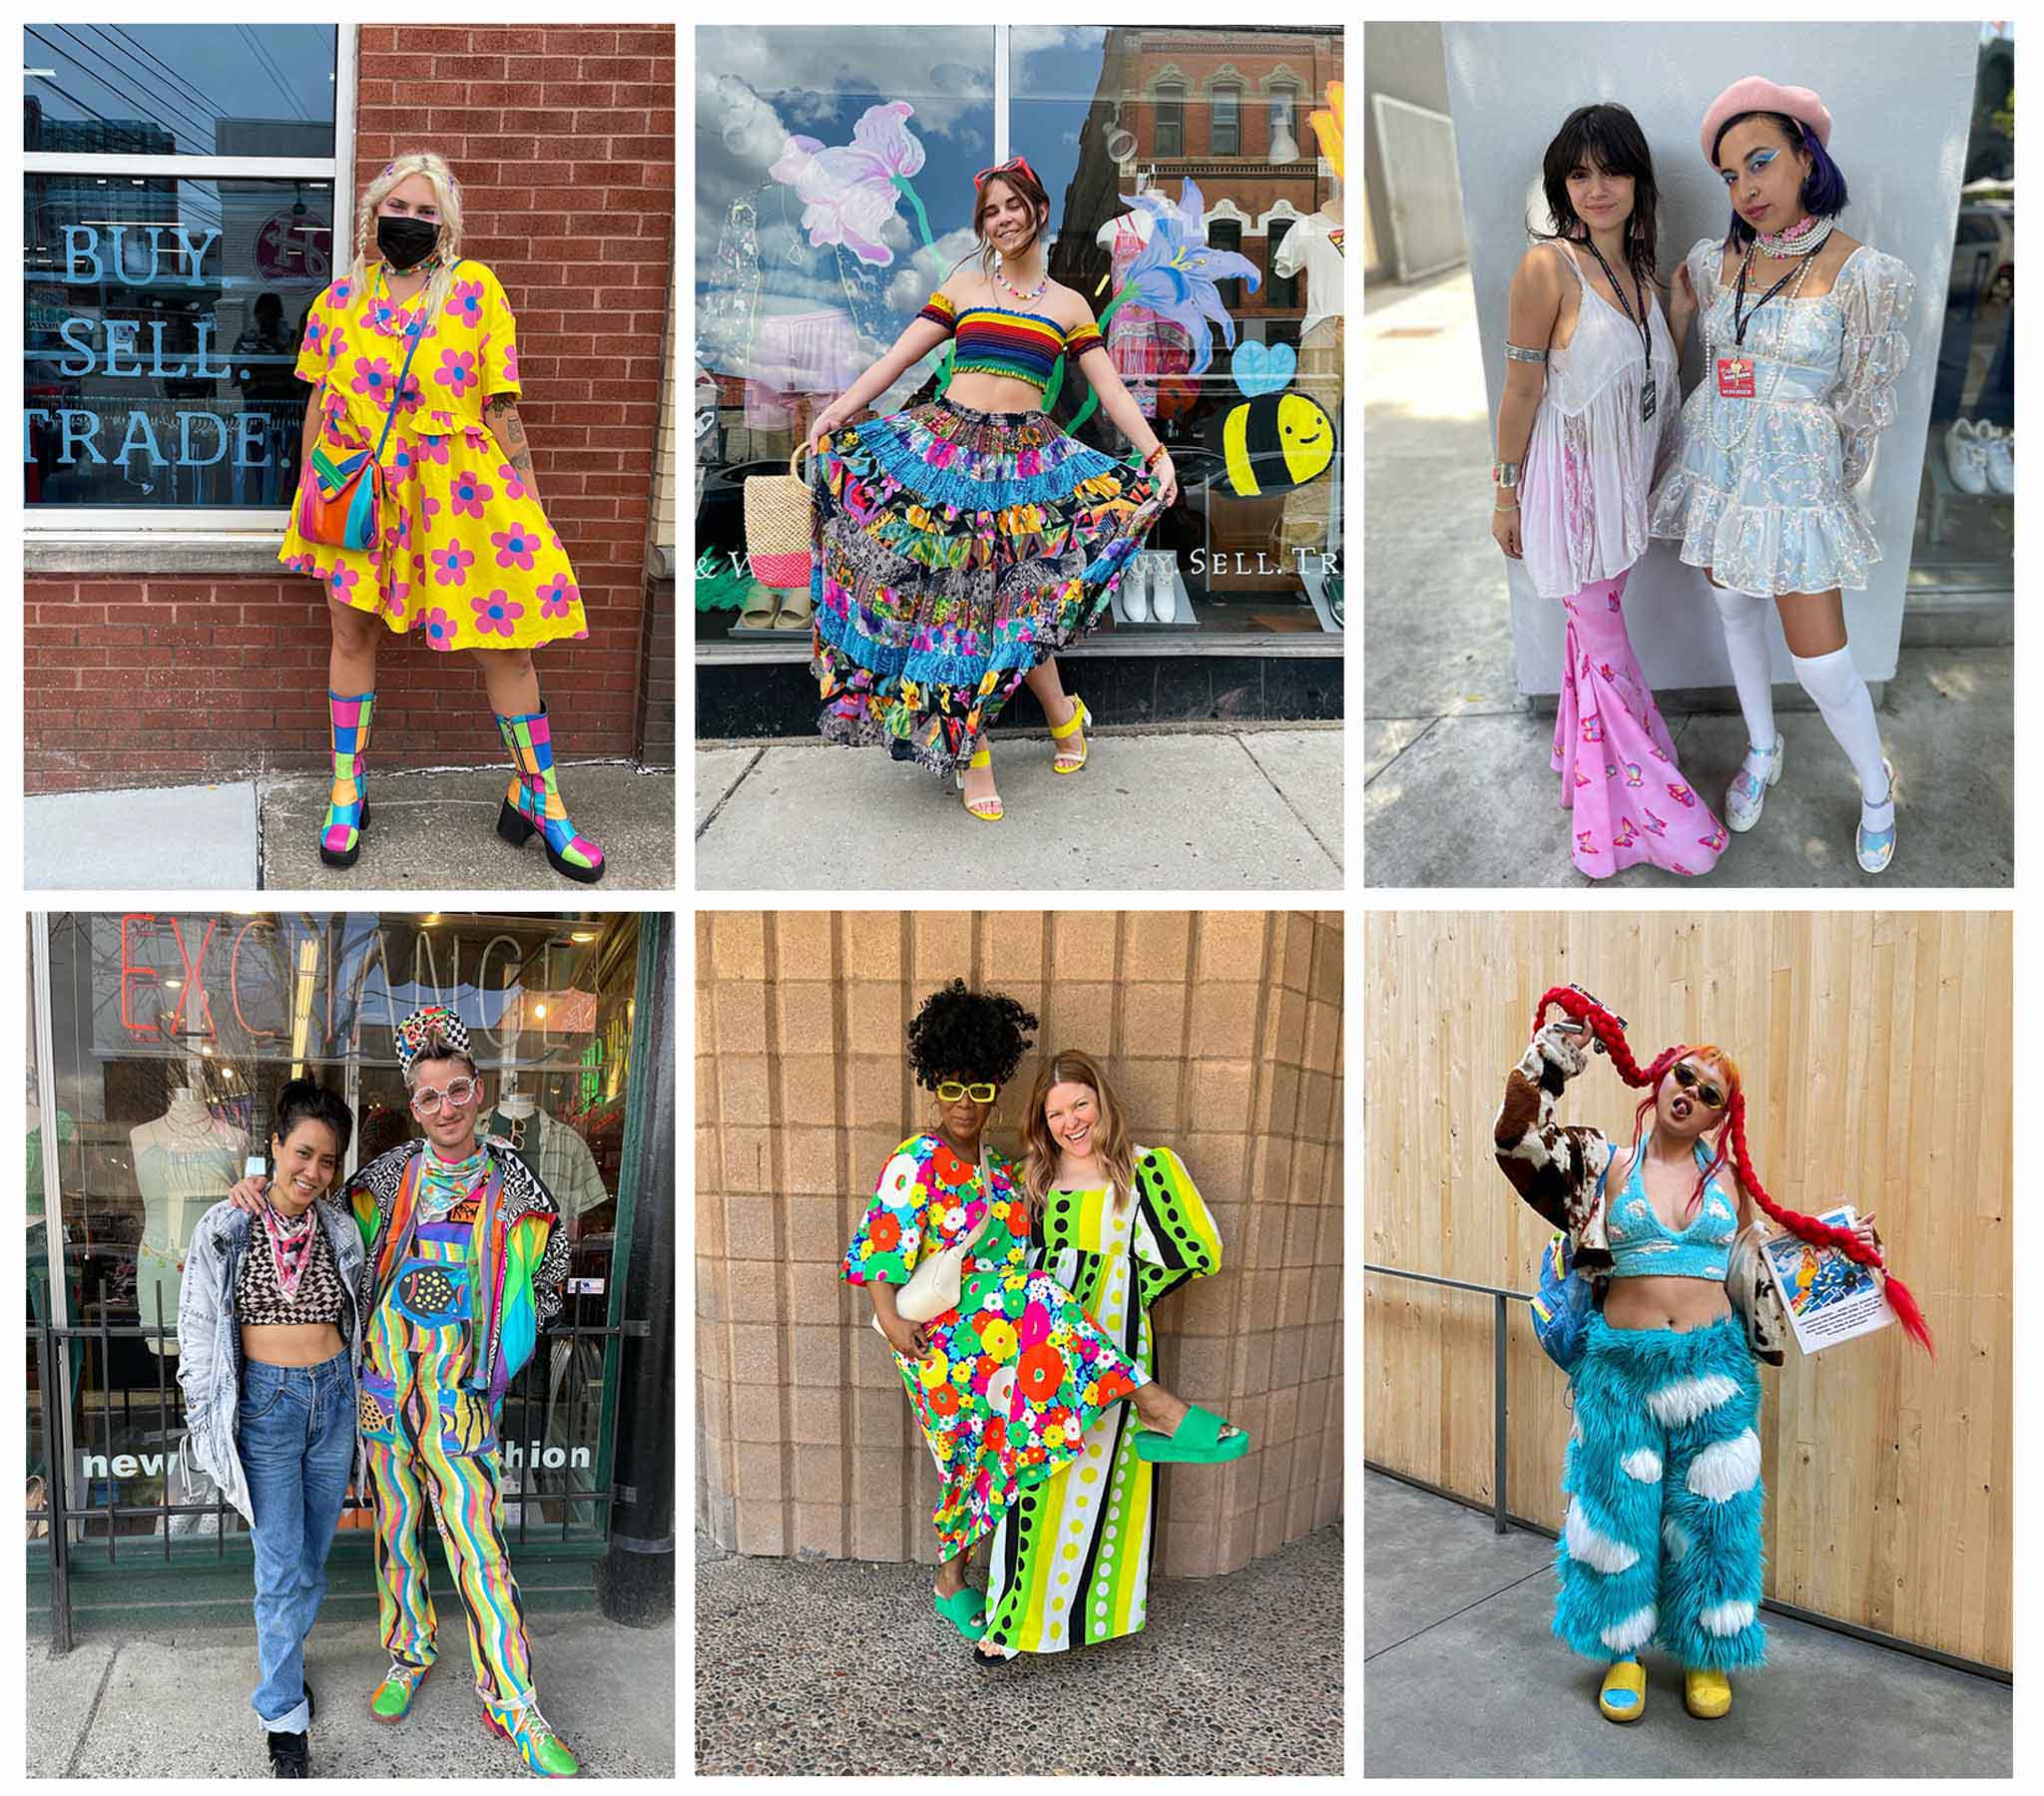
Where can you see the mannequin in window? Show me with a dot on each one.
(1313, 244)
(185, 1161)
(554, 1151)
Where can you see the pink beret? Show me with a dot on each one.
(1756, 93)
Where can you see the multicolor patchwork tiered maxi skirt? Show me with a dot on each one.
(952, 551)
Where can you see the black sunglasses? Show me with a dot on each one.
(1707, 1093)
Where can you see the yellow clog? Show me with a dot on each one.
(1624, 1696)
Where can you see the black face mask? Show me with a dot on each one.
(405, 243)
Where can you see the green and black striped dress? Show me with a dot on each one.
(1070, 1564)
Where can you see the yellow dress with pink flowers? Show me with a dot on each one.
(464, 552)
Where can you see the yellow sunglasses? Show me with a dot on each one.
(952, 1091)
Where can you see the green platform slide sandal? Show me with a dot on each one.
(965, 1609)
(1199, 1441)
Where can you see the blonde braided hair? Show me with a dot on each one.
(447, 194)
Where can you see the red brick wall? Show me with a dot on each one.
(563, 139)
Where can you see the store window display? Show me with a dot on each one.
(830, 160)
(168, 1039)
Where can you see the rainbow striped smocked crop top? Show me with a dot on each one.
(1015, 345)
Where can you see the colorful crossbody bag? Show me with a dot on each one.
(336, 505)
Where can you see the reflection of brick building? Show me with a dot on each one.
(1174, 103)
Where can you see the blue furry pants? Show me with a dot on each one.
(1661, 1541)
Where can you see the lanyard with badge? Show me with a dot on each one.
(1648, 396)
(1736, 371)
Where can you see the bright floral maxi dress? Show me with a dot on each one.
(1069, 1563)
(466, 556)
(1018, 1373)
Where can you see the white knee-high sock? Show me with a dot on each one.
(1834, 682)
(1746, 642)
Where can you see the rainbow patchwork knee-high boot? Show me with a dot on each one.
(532, 803)
(347, 806)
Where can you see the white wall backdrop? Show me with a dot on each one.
(1899, 95)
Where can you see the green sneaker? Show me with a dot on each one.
(545, 1753)
(390, 1700)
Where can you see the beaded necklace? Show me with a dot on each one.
(1753, 409)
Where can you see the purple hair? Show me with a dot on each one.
(1823, 187)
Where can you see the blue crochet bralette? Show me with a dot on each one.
(1642, 1245)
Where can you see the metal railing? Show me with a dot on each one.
(1503, 1521)
(530, 1394)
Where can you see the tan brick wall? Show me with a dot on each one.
(1222, 1030)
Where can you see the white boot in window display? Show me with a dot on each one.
(1135, 601)
(1965, 457)
(1164, 592)
(1999, 448)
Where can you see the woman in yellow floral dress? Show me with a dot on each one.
(464, 552)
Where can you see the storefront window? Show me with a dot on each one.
(796, 298)
(1102, 114)
(1965, 518)
(166, 1041)
(179, 214)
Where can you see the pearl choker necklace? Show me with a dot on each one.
(1799, 240)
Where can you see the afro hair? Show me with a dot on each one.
(962, 1034)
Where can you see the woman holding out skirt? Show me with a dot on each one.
(960, 543)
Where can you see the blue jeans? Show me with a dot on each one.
(296, 1437)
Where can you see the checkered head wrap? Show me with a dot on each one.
(420, 1031)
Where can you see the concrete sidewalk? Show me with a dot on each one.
(177, 1704)
(1456, 784)
(1465, 1681)
(430, 832)
(808, 1668)
(1203, 808)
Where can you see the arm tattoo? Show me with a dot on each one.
(508, 428)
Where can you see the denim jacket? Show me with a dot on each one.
(209, 1339)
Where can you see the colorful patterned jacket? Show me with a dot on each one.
(1559, 1168)
(519, 1250)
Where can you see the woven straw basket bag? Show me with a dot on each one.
(778, 514)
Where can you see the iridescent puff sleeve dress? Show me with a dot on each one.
(1070, 1565)
(1762, 493)
(1018, 1373)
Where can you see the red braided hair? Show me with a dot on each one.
(1610, 1033)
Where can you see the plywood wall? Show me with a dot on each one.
(1877, 1053)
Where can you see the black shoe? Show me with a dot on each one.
(288, 1756)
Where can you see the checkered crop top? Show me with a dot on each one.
(259, 1299)
(1015, 345)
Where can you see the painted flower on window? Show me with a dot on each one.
(1175, 272)
(848, 190)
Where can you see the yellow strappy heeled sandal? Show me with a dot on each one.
(974, 806)
(1081, 720)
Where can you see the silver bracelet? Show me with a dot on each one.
(1514, 353)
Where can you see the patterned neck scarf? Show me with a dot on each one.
(444, 1183)
(290, 1247)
